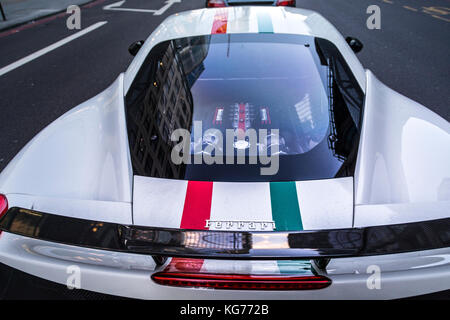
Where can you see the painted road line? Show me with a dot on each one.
(117, 6)
(442, 18)
(168, 4)
(410, 8)
(52, 47)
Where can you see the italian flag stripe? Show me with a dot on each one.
(220, 22)
(197, 205)
(264, 23)
(285, 207)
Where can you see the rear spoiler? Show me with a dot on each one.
(320, 245)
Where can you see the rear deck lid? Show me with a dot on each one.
(252, 206)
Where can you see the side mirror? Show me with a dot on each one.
(355, 44)
(134, 47)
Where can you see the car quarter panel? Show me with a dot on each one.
(83, 155)
(402, 172)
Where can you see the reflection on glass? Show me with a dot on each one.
(298, 85)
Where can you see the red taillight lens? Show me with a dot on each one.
(215, 3)
(241, 282)
(286, 3)
(3, 205)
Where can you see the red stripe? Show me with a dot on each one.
(197, 205)
(220, 22)
(241, 123)
(184, 264)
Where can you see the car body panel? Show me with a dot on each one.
(250, 1)
(322, 204)
(403, 160)
(128, 275)
(111, 211)
(83, 155)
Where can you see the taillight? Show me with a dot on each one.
(215, 3)
(286, 3)
(240, 281)
(3, 205)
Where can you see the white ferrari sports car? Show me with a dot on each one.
(226, 3)
(244, 154)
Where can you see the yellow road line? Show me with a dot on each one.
(442, 18)
(410, 8)
(387, 1)
(436, 10)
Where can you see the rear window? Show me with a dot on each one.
(287, 96)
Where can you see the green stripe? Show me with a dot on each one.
(264, 23)
(285, 208)
(295, 267)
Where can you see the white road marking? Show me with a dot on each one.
(168, 4)
(54, 46)
(116, 6)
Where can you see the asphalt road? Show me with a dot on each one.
(410, 53)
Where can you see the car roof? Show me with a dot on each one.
(246, 19)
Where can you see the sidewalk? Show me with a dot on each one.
(21, 11)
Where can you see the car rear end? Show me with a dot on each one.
(176, 216)
(225, 3)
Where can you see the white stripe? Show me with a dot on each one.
(240, 267)
(54, 46)
(116, 7)
(240, 201)
(158, 202)
(240, 22)
(326, 204)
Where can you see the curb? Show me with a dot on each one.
(39, 14)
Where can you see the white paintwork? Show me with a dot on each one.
(49, 48)
(128, 275)
(393, 213)
(158, 202)
(111, 211)
(117, 6)
(244, 20)
(83, 155)
(240, 266)
(326, 204)
(403, 161)
(240, 201)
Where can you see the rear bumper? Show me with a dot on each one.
(128, 275)
(229, 245)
